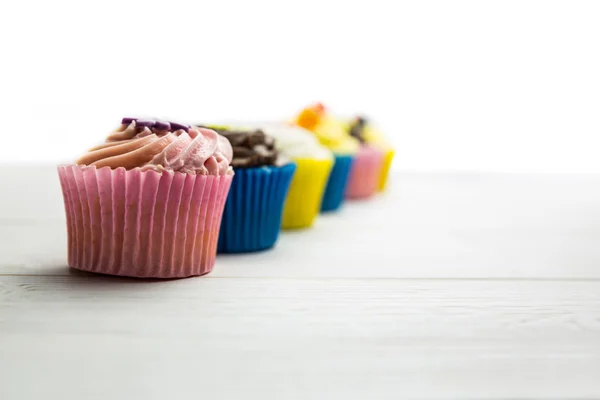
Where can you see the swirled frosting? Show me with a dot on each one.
(162, 146)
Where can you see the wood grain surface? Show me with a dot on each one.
(449, 286)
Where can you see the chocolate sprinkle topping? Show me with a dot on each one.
(251, 148)
(357, 129)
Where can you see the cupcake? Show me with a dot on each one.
(148, 202)
(252, 216)
(313, 166)
(368, 134)
(332, 134)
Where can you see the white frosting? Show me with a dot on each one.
(296, 142)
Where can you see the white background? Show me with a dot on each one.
(488, 286)
(466, 85)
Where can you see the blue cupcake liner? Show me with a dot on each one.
(252, 215)
(336, 185)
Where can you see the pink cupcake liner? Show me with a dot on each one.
(142, 224)
(365, 173)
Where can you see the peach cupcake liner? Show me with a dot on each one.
(365, 173)
(142, 224)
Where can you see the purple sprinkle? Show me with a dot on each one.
(145, 122)
(162, 126)
(127, 120)
(176, 126)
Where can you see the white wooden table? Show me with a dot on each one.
(449, 286)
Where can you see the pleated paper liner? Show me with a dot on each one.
(365, 174)
(306, 193)
(142, 224)
(385, 169)
(336, 185)
(252, 216)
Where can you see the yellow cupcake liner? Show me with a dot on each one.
(304, 197)
(385, 169)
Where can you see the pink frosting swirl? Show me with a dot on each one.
(198, 151)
